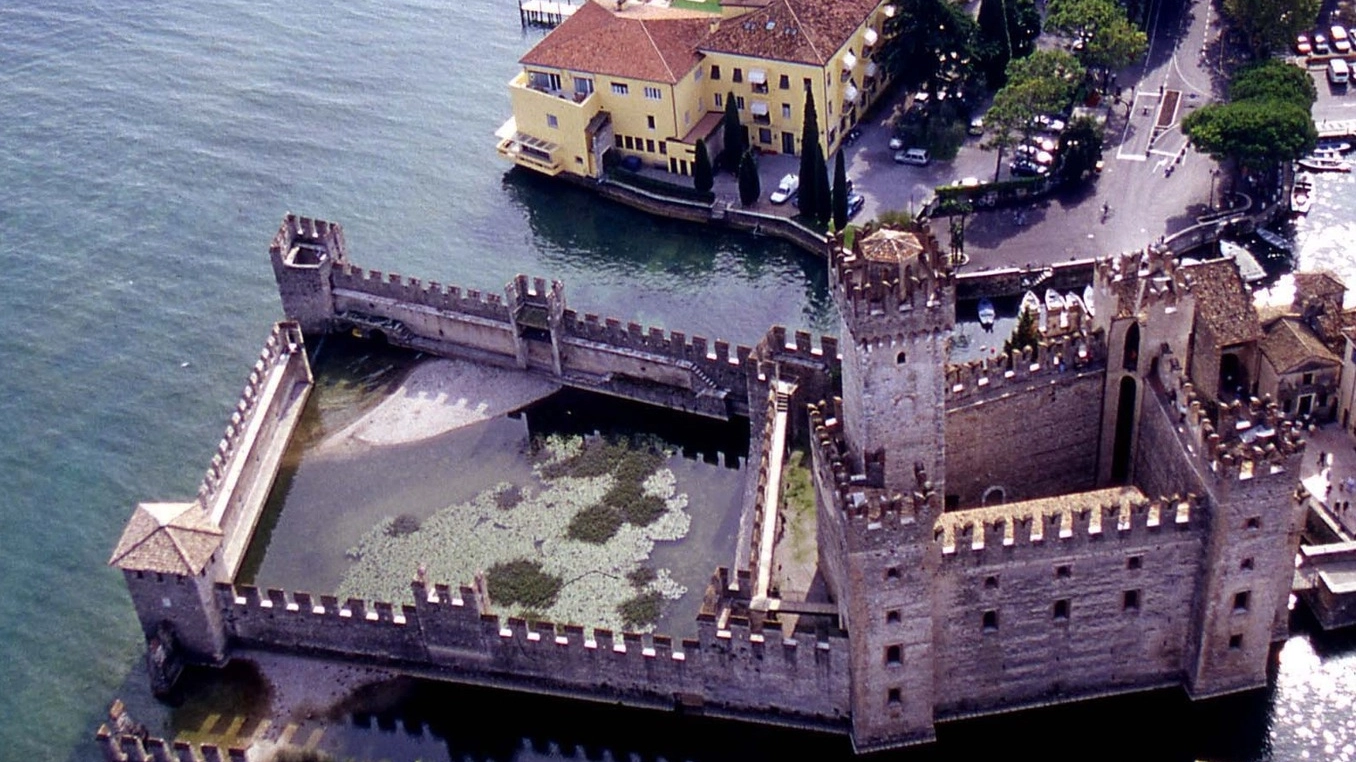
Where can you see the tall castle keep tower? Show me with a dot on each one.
(303, 253)
(881, 470)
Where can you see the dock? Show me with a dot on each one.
(544, 13)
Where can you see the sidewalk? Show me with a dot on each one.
(1329, 461)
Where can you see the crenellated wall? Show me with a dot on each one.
(730, 668)
(1066, 597)
(242, 470)
(122, 747)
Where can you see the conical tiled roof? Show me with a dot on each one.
(171, 538)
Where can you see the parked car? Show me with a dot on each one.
(1034, 154)
(968, 182)
(1303, 46)
(1048, 123)
(855, 203)
(1028, 168)
(1044, 143)
(915, 156)
(1340, 41)
(1321, 44)
(896, 143)
(785, 189)
(976, 126)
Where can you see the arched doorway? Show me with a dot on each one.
(1130, 355)
(994, 495)
(1233, 378)
(1125, 431)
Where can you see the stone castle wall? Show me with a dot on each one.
(1094, 599)
(729, 669)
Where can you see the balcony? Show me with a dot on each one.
(549, 88)
(526, 150)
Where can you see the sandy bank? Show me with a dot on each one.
(441, 395)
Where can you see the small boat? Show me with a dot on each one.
(1333, 144)
(1324, 164)
(1087, 300)
(1031, 303)
(1053, 301)
(987, 313)
(1072, 302)
(1302, 194)
(1273, 239)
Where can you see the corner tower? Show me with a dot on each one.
(304, 253)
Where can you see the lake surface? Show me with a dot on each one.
(149, 151)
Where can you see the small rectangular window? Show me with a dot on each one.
(764, 135)
(892, 572)
(807, 84)
(894, 697)
(786, 110)
(649, 121)
(991, 581)
(551, 121)
(785, 82)
(1063, 571)
(1061, 609)
(1235, 642)
(1246, 564)
(892, 616)
(1254, 523)
(629, 142)
(1241, 601)
(654, 94)
(715, 72)
(620, 88)
(739, 102)
(1130, 600)
(618, 140)
(663, 148)
(720, 101)
(649, 144)
(990, 621)
(738, 75)
(892, 655)
(1134, 562)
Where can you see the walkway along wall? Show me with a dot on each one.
(731, 669)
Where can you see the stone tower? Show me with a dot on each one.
(880, 465)
(304, 253)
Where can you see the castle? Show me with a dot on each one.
(1101, 512)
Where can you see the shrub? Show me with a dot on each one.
(402, 525)
(641, 576)
(509, 497)
(523, 582)
(641, 611)
(596, 524)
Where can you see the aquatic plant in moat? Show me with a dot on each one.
(460, 541)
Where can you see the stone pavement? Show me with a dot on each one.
(1329, 461)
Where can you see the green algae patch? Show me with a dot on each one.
(522, 582)
(597, 574)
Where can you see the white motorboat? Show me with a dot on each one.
(987, 314)
(1302, 194)
(1087, 300)
(1324, 164)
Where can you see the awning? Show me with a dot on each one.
(507, 129)
(849, 60)
(871, 69)
(871, 36)
(757, 76)
(851, 93)
(759, 108)
(889, 11)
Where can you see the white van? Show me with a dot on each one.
(1338, 71)
(1340, 42)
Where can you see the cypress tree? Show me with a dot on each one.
(749, 187)
(840, 194)
(734, 135)
(701, 169)
(823, 192)
(995, 43)
(809, 156)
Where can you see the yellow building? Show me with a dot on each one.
(648, 81)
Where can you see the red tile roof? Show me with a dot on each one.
(798, 31)
(652, 46)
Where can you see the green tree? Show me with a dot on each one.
(1270, 25)
(927, 41)
(1080, 148)
(702, 178)
(1257, 133)
(734, 135)
(823, 210)
(1048, 78)
(1025, 334)
(1108, 38)
(809, 155)
(1274, 79)
(1024, 27)
(995, 43)
(749, 187)
(840, 193)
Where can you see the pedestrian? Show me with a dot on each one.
(1322, 458)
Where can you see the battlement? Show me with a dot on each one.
(1130, 281)
(887, 273)
(128, 747)
(413, 291)
(858, 493)
(978, 379)
(1064, 522)
(307, 242)
(283, 343)
(1241, 440)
